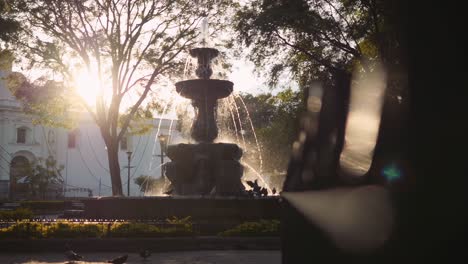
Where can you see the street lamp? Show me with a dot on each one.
(129, 154)
(163, 143)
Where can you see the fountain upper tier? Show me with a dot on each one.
(204, 87)
(204, 93)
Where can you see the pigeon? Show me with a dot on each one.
(250, 183)
(273, 191)
(145, 254)
(119, 260)
(72, 255)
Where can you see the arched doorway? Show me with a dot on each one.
(20, 167)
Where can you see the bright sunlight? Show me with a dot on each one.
(87, 86)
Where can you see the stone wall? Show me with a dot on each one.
(200, 209)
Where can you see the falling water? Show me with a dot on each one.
(187, 67)
(238, 117)
(153, 153)
(253, 131)
(233, 120)
(170, 130)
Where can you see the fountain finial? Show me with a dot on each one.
(204, 57)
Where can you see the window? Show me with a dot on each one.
(21, 135)
(72, 139)
(124, 143)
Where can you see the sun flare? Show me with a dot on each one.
(87, 86)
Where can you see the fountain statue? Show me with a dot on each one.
(206, 167)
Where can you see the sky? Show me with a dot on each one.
(244, 78)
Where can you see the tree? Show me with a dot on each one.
(318, 37)
(41, 176)
(328, 40)
(8, 25)
(128, 45)
(148, 183)
(45, 100)
(275, 118)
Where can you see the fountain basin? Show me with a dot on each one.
(200, 89)
(202, 209)
(204, 52)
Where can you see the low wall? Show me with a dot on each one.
(201, 209)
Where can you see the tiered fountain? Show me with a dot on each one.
(206, 167)
(205, 177)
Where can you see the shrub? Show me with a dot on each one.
(23, 230)
(133, 229)
(147, 230)
(184, 223)
(73, 230)
(55, 230)
(17, 214)
(260, 228)
(26, 229)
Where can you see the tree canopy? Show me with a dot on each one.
(127, 46)
(311, 38)
(328, 40)
(275, 118)
(8, 25)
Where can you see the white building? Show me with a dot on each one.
(81, 151)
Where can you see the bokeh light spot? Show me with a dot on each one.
(391, 172)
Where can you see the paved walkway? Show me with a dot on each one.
(184, 257)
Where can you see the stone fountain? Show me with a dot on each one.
(205, 168)
(205, 178)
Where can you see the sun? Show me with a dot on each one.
(87, 86)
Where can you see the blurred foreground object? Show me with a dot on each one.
(346, 166)
(410, 205)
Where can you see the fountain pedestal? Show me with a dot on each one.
(205, 168)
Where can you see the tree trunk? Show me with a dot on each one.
(114, 168)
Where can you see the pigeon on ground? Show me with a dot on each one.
(145, 254)
(72, 255)
(119, 260)
(250, 183)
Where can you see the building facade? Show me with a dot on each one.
(81, 152)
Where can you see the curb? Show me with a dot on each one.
(166, 244)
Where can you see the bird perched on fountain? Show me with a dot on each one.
(119, 260)
(72, 255)
(273, 191)
(145, 254)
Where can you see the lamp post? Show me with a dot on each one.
(129, 154)
(163, 144)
